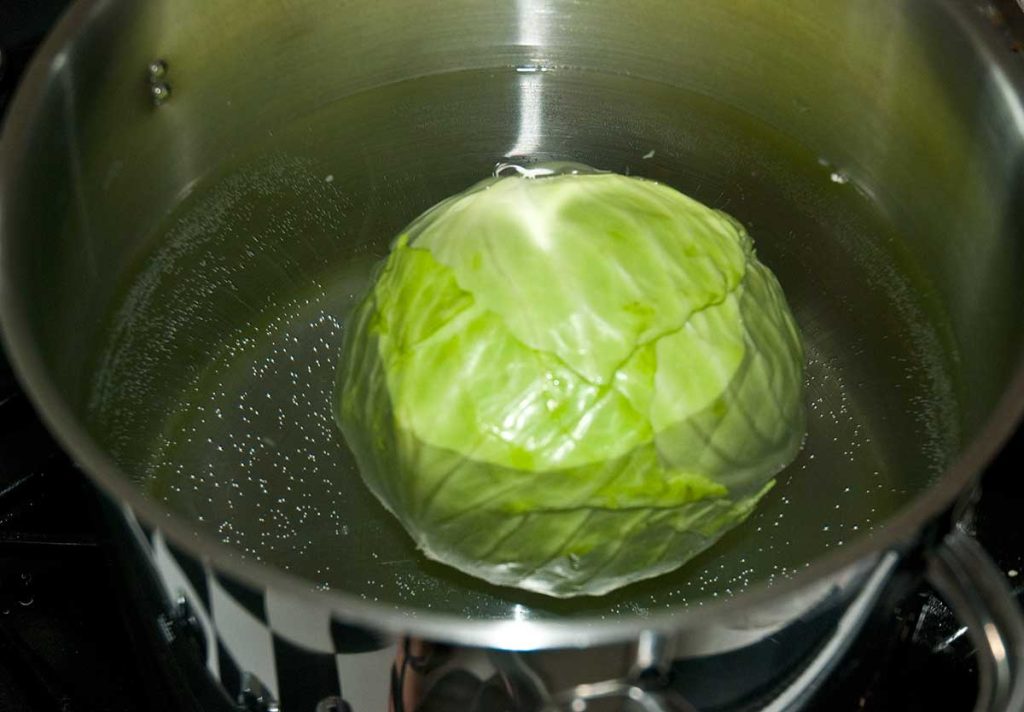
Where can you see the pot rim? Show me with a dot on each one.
(898, 533)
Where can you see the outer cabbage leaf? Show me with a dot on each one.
(570, 383)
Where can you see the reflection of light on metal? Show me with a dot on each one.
(995, 641)
(532, 25)
(531, 104)
(519, 613)
(1009, 95)
(59, 62)
(952, 639)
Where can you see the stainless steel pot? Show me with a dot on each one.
(182, 182)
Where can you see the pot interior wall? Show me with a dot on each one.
(186, 269)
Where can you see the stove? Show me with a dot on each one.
(65, 642)
(77, 634)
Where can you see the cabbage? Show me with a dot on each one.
(570, 383)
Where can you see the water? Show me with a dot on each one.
(216, 386)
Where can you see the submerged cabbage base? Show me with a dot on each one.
(570, 383)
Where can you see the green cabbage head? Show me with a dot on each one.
(570, 383)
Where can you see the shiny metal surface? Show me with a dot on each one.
(639, 675)
(915, 108)
(222, 406)
(647, 675)
(978, 592)
(801, 689)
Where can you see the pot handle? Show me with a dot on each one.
(964, 576)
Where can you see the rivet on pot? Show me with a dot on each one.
(156, 70)
(160, 93)
(159, 88)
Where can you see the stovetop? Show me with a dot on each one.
(74, 638)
